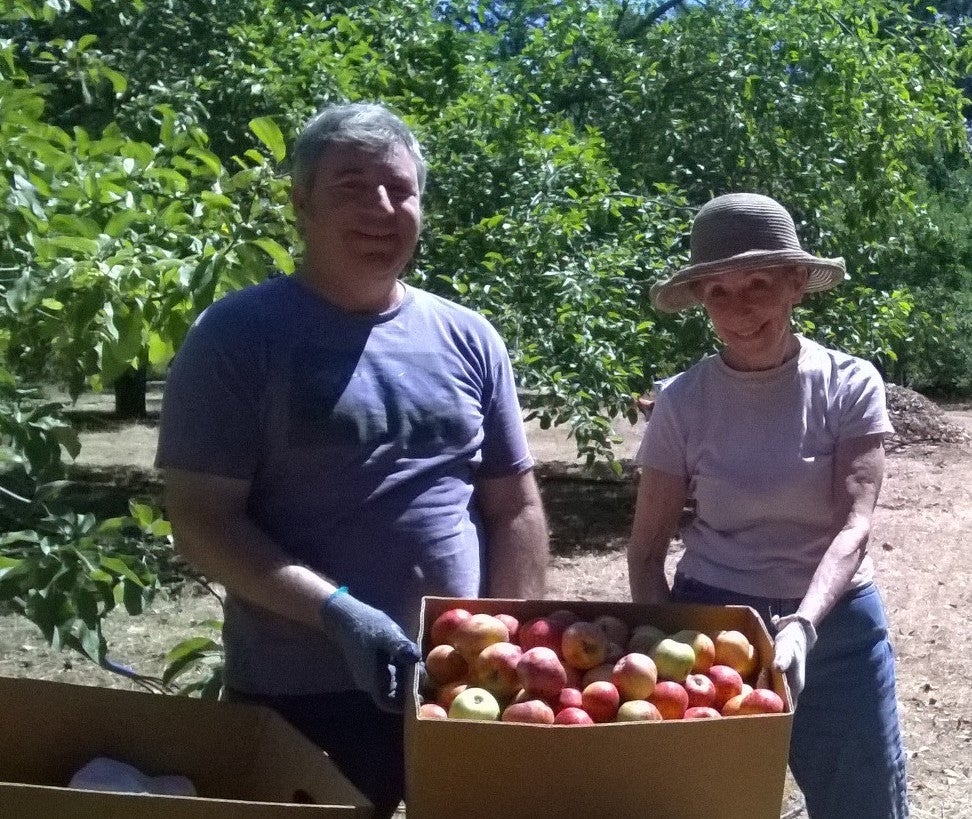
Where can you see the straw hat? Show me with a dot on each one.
(742, 231)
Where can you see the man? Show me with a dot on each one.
(336, 445)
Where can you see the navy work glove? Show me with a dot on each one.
(377, 651)
(795, 636)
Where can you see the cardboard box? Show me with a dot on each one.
(732, 768)
(245, 761)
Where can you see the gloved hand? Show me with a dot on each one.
(377, 651)
(795, 636)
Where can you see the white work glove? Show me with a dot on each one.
(795, 636)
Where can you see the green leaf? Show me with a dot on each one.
(281, 258)
(269, 133)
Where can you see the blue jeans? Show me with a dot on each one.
(845, 751)
(364, 742)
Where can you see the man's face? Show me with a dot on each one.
(361, 214)
(750, 312)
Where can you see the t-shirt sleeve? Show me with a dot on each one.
(505, 448)
(663, 444)
(210, 415)
(864, 409)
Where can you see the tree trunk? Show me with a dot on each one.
(130, 394)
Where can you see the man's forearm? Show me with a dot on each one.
(519, 550)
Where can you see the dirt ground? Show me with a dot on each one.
(921, 546)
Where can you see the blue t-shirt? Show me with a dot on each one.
(362, 437)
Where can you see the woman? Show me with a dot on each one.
(778, 442)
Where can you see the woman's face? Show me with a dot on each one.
(750, 312)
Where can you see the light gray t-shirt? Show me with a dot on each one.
(363, 437)
(757, 452)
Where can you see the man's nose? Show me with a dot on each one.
(382, 200)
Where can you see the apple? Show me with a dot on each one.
(541, 631)
(528, 711)
(601, 700)
(728, 683)
(511, 623)
(564, 616)
(495, 669)
(670, 698)
(614, 628)
(583, 645)
(445, 624)
(702, 644)
(731, 706)
(614, 653)
(701, 691)
(475, 633)
(638, 711)
(575, 676)
(644, 638)
(599, 672)
(761, 701)
(674, 660)
(445, 664)
(732, 648)
(701, 712)
(474, 703)
(634, 675)
(448, 692)
(569, 698)
(573, 716)
(541, 673)
(432, 710)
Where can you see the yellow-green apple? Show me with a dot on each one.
(701, 691)
(761, 701)
(670, 698)
(541, 673)
(634, 675)
(475, 633)
(638, 711)
(495, 669)
(541, 631)
(511, 623)
(644, 638)
(702, 645)
(474, 703)
(674, 660)
(528, 711)
(701, 712)
(445, 664)
(733, 648)
(728, 683)
(599, 672)
(583, 645)
(448, 692)
(432, 710)
(573, 716)
(568, 698)
(614, 628)
(445, 624)
(601, 700)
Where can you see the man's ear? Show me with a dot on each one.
(299, 196)
(799, 276)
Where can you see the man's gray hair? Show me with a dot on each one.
(358, 123)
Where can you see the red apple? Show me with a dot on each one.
(634, 675)
(731, 706)
(475, 633)
(432, 710)
(601, 700)
(761, 701)
(511, 623)
(541, 673)
(728, 683)
(701, 691)
(701, 712)
(638, 711)
(614, 628)
(573, 716)
(445, 664)
(599, 672)
(583, 645)
(569, 698)
(541, 631)
(670, 698)
(445, 624)
(529, 711)
(495, 669)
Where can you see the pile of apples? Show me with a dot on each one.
(561, 669)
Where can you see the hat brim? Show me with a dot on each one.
(676, 294)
